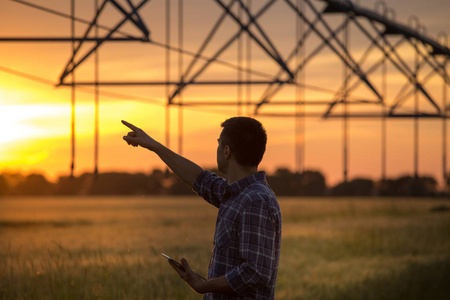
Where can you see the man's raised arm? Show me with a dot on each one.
(187, 170)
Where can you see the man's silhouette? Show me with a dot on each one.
(247, 238)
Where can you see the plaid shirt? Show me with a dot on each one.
(248, 234)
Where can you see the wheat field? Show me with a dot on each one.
(110, 248)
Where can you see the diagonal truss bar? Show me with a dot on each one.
(409, 74)
(347, 58)
(400, 65)
(72, 65)
(206, 41)
(395, 28)
(391, 26)
(346, 89)
(67, 16)
(341, 91)
(374, 43)
(311, 26)
(420, 85)
(407, 90)
(435, 65)
(406, 94)
(133, 16)
(139, 19)
(272, 52)
(91, 25)
(271, 90)
(277, 54)
(219, 52)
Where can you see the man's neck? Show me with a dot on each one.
(238, 172)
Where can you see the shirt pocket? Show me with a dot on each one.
(223, 236)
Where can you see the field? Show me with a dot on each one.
(110, 248)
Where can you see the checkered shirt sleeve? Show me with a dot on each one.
(211, 187)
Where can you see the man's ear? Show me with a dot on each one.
(227, 152)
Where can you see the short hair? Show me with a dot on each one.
(246, 138)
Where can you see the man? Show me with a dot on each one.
(247, 238)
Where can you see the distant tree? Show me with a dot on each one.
(363, 186)
(114, 183)
(408, 186)
(312, 184)
(178, 187)
(384, 187)
(68, 185)
(356, 187)
(12, 181)
(402, 186)
(155, 182)
(34, 184)
(448, 179)
(341, 189)
(286, 183)
(428, 185)
(4, 188)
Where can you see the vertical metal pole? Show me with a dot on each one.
(180, 73)
(345, 108)
(239, 63)
(299, 95)
(416, 116)
(72, 130)
(444, 128)
(303, 96)
(167, 133)
(167, 73)
(97, 110)
(249, 65)
(297, 99)
(383, 122)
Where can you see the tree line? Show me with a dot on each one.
(283, 181)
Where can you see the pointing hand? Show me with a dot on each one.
(137, 137)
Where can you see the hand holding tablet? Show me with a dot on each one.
(174, 261)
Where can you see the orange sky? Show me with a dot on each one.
(35, 116)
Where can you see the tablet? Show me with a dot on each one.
(174, 261)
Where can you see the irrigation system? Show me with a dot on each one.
(386, 68)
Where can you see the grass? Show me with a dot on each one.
(110, 248)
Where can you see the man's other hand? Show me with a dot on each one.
(193, 279)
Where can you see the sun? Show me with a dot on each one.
(23, 128)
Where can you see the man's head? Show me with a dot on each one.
(246, 139)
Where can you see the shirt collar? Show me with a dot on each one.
(241, 184)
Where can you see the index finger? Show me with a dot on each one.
(129, 125)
